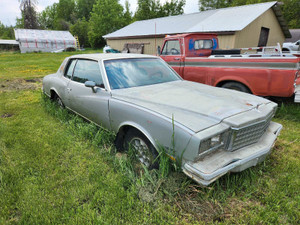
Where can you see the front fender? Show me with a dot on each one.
(140, 128)
(160, 131)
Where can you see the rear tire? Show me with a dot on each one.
(236, 86)
(144, 151)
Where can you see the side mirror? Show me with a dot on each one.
(90, 84)
(158, 50)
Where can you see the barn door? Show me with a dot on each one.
(263, 38)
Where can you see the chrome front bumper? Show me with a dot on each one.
(215, 165)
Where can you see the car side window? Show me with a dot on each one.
(171, 48)
(70, 68)
(87, 70)
(203, 44)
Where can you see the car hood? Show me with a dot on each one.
(196, 106)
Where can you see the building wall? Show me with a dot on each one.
(149, 44)
(226, 41)
(249, 36)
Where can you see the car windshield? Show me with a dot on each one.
(126, 73)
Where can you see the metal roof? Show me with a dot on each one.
(218, 20)
(8, 42)
(295, 35)
(38, 35)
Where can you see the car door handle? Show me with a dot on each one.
(176, 58)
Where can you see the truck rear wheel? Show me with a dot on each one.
(236, 86)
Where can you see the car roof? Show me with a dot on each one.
(104, 56)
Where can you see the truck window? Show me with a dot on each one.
(203, 44)
(171, 48)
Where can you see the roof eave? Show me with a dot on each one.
(163, 35)
(281, 21)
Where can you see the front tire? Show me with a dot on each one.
(236, 86)
(59, 102)
(142, 147)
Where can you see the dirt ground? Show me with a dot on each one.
(20, 84)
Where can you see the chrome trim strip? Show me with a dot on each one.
(228, 64)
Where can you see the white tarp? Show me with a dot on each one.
(44, 40)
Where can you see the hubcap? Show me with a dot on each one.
(142, 151)
(59, 102)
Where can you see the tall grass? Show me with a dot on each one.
(56, 168)
(150, 182)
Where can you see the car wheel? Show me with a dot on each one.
(142, 147)
(59, 102)
(236, 86)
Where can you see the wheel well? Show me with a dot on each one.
(286, 49)
(220, 84)
(53, 94)
(121, 135)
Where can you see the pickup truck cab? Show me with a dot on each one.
(196, 57)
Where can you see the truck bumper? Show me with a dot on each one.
(297, 94)
(210, 168)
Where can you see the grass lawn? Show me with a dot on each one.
(56, 168)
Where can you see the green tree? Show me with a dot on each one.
(127, 17)
(291, 12)
(29, 15)
(148, 9)
(173, 7)
(84, 8)
(80, 29)
(213, 4)
(6, 32)
(66, 10)
(47, 17)
(65, 15)
(106, 17)
(20, 22)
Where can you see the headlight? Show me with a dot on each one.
(212, 143)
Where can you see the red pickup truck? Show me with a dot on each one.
(196, 57)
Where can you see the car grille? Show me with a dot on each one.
(241, 137)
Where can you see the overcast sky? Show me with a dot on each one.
(9, 9)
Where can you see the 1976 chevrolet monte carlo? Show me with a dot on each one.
(145, 102)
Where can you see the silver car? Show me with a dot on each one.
(145, 102)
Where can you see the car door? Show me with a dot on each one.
(67, 75)
(89, 103)
(172, 54)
